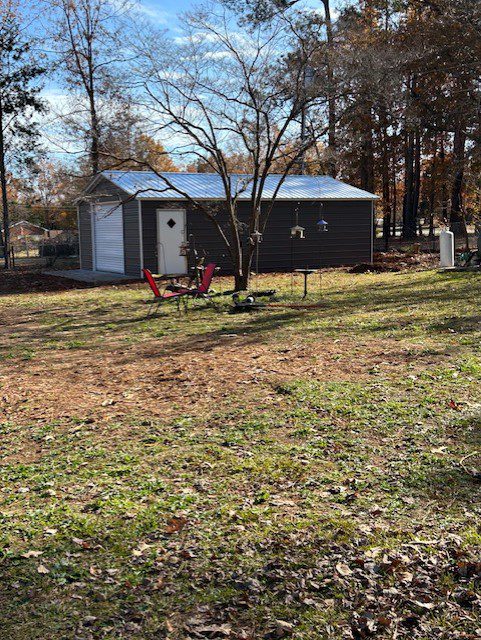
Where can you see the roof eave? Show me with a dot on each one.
(95, 180)
(358, 199)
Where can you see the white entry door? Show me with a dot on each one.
(108, 238)
(170, 235)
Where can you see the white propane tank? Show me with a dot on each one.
(446, 249)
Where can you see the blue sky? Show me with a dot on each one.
(162, 13)
(166, 11)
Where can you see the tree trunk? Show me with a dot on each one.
(331, 97)
(386, 205)
(94, 119)
(302, 159)
(417, 175)
(241, 281)
(3, 188)
(366, 161)
(432, 190)
(444, 194)
(95, 137)
(394, 196)
(409, 211)
(242, 276)
(457, 223)
(386, 191)
(240, 250)
(409, 224)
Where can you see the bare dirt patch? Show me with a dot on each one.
(23, 280)
(193, 375)
(397, 261)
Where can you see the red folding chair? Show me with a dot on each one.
(202, 291)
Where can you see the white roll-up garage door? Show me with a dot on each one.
(109, 238)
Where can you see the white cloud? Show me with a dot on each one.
(218, 55)
(138, 6)
(155, 14)
(57, 99)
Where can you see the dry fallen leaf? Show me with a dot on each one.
(216, 630)
(177, 523)
(41, 569)
(81, 543)
(424, 605)
(342, 569)
(158, 584)
(32, 554)
(283, 628)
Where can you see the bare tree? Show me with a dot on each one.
(88, 41)
(224, 90)
(262, 11)
(331, 89)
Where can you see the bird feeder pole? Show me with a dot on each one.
(322, 227)
(297, 232)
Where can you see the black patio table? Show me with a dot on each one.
(306, 272)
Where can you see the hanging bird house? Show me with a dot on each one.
(256, 237)
(184, 249)
(297, 232)
(322, 225)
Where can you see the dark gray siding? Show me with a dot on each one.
(149, 234)
(105, 191)
(348, 240)
(85, 235)
(131, 238)
(207, 238)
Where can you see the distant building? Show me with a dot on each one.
(28, 230)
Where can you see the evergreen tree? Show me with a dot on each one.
(19, 101)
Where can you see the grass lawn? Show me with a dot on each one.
(293, 473)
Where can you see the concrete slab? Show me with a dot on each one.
(476, 267)
(84, 275)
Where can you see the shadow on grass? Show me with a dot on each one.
(464, 324)
(361, 300)
(444, 485)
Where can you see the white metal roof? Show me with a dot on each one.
(147, 185)
(30, 224)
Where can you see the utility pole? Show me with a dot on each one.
(307, 81)
(303, 139)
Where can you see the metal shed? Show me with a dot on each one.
(129, 220)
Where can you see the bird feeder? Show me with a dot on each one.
(297, 231)
(322, 225)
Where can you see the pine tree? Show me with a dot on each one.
(19, 101)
